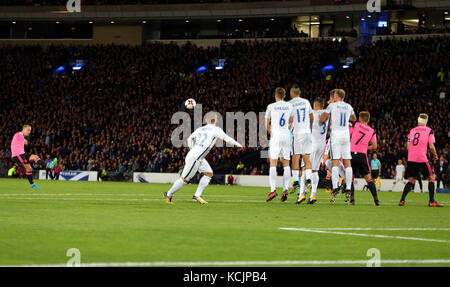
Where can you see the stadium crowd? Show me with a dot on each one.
(115, 113)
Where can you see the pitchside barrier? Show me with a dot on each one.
(242, 180)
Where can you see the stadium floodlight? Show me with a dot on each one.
(60, 69)
(345, 66)
(328, 68)
(382, 23)
(201, 69)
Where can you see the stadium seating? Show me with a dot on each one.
(115, 112)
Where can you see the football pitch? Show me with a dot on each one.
(129, 224)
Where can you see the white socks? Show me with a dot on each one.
(348, 178)
(335, 176)
(273, 178)
(177, 185)
(328, 164)
(341, 170)
(341, 167)
(286, 177)
(307, 173)
(314, 183)
(302, 185)
(203, 183)
(295, 175)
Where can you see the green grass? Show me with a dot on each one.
(130, 222)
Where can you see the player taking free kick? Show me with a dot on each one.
(200, 143)
(419, 139)
(19, 157)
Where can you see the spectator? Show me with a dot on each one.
(441, 170)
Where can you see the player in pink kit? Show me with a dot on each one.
(419, 139)
(363, 138)
(21, 158)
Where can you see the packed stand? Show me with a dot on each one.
(115, 113)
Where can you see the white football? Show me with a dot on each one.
(190, 104)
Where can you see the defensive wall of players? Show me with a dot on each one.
(242, 180)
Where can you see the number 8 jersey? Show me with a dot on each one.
(419, 138)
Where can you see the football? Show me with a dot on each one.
(190, 104)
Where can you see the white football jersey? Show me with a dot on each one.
(302, 110)
(340, 113)
(202, 140)
(279, 114)
(319, 131)
(399, 169)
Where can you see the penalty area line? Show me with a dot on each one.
(364, 234)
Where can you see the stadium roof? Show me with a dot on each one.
(181, 11)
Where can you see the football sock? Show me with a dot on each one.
(341, 170)
(373, 189)
(286, 177)
(302, 184)
(348, 178)
(30, 177)
(314, 183)
(307, 173)
(273, 178)
(295, 175)
(393, 185)
(328, 164)
(335, 176)
(177, 185)
(420, 184)
(407, 189)
(431, 189)
(203, 183)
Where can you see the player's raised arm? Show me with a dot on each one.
(223, 136)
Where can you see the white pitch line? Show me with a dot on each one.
(386, 229)
(243, 263)
(365, 235)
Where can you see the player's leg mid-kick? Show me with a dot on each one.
(21, 158)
